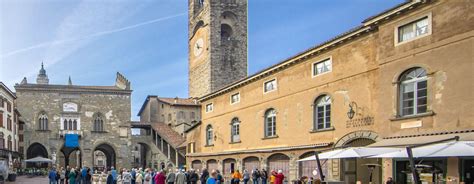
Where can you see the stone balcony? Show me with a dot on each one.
(64, 132)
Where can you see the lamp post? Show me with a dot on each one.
(351, 113)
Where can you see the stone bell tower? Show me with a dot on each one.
(42, 77)
(217, 44)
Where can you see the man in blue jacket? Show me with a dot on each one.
(52, 176)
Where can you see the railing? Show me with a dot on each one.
(64, 132)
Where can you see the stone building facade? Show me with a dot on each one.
(163, 122)
(177, 113)
(217, 44)
(9, 124)
(98, 115)
(398, 79)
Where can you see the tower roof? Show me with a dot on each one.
(42, 76)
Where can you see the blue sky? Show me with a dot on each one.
(146, 40)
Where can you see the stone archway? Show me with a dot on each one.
(34, 150)
(228, 166)
(109, 153)
(251, 163)
(355, 169)
(196, 165)
(279, 161)
(72, 157)
(211, 165)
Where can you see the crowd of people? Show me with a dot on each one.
(86, 175)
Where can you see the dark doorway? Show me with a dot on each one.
(109, 154)
(143, 154)
(36, 149)
(468, 171)
(72, 157)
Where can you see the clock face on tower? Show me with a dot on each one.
(198, 47)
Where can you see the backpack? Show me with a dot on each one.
(58, 175)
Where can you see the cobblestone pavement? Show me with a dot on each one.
(28, 180)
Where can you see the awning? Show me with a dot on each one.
(445, 149)
(421, 139)
(352, 152)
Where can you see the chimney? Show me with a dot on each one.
(175, 100)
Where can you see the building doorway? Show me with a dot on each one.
(281, 162)
(34, 150)
(251, 163)
(109, 153)
(468, 171)
(72, 157)
(100, 161)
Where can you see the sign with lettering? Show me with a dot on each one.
(69, 107)
(360, 122)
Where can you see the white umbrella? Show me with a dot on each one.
(351, 152)
(445, 149)
(39, 159)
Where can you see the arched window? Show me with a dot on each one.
(209, 135)
(226, 32)
(322, 112)
(65, 124)
(413, 92)
(169, 117)
(99, 123)
(270, 123)
(43, 121)
(235, 130)
(70, 125)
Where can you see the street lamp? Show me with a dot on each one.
(371, 168)
(351, 113)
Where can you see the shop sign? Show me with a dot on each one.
(360, 122)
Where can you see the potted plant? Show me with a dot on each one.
(12, 174)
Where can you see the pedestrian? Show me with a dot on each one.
(255, 176)
(133, 173)
(160, 177)
(110, 178)
(58, 175)
(72, 176)
(236, 177)
(180, 177)
(220, 178)
(389, 181)
(63, 176)
(246, 176)
(52, 176)
(272, 177)
(139, 178)
(264, 176)
(194, 177)
(204, 176)
(68, 169)
(78, 175)
(279, 177)
(88, 176)
(171, 177)
(114, 175)
(126, 177)
(211, 179)
(148, 177)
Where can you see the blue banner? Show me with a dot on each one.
(72, 140)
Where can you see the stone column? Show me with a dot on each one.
(293, 168)
(452, 175)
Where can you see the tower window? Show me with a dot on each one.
(43, 122)
(226, 32)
